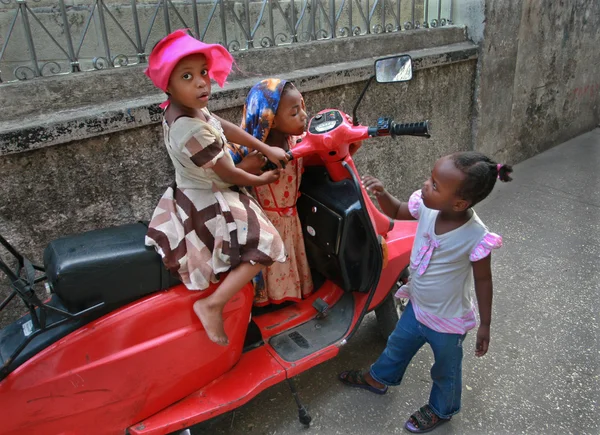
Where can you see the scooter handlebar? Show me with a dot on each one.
(331, 132)
(269, 166)
(411, 129)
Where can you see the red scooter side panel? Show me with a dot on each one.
(399, 245)
(123, 367)
(256, 371)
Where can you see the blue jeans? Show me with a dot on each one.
(446, 373)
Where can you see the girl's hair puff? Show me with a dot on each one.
(481, 174)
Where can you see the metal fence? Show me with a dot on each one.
(44, 38)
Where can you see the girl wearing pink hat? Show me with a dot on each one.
(205, 225)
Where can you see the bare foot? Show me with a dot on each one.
(212, 320)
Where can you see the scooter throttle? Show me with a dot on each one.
(411, 129)
(270, 166)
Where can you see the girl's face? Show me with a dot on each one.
(290, 117)
(189, 84)
(440, 190)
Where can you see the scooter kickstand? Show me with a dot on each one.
(303, 414)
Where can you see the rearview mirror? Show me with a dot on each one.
(393, 69)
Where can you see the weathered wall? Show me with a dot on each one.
(118, 178)
(50, 96)
(539, 80)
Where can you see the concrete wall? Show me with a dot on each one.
(539, 76)
(117, 177)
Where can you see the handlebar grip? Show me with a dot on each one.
(269, 166)
(411, 129)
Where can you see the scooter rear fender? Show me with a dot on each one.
(123, 367)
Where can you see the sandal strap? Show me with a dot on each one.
(423, 417)
(354, 376)
(428, 412)
(360, 377)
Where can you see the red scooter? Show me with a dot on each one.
(116, 348)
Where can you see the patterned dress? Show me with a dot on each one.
(290, 280)
(204, 226)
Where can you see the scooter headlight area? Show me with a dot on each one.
(117, 348)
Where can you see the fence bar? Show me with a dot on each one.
(368, 17)
(439, 12)
(196, 22)
(294, 24)
(103, 31)
(27, 29)
(383, 16)
(223, 23)
(313, 19)
(333, 20)
(73, 59)
(166, 16)
(138, 34)
(249, 35)
(271, 22)
(412, 14)
(350, 18)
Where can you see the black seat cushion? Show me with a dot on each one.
(111, 265)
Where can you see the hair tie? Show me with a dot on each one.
(498, 167)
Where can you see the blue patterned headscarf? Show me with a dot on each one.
(259, 113)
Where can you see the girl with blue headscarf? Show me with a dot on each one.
(275, 114)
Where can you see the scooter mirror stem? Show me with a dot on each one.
(360, 97)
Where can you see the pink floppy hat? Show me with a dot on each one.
(177, 45)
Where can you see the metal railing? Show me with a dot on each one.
(44, 38)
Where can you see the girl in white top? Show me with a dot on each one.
(452, 249)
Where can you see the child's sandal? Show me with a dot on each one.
(355, 378)
(424, 420)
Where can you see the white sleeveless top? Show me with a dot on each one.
(441, 269)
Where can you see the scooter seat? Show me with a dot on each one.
(111, 265)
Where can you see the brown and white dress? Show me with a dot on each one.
(204, 226)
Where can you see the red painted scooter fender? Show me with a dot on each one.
(122, 368)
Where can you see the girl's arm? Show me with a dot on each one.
(482, 274)
(252, 163)
(389, 205)
(230, 174)
(237, 135)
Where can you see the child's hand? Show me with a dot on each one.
(278, 156)
(373, 185)
(270, 176)
(253, 163)
(483, 340)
